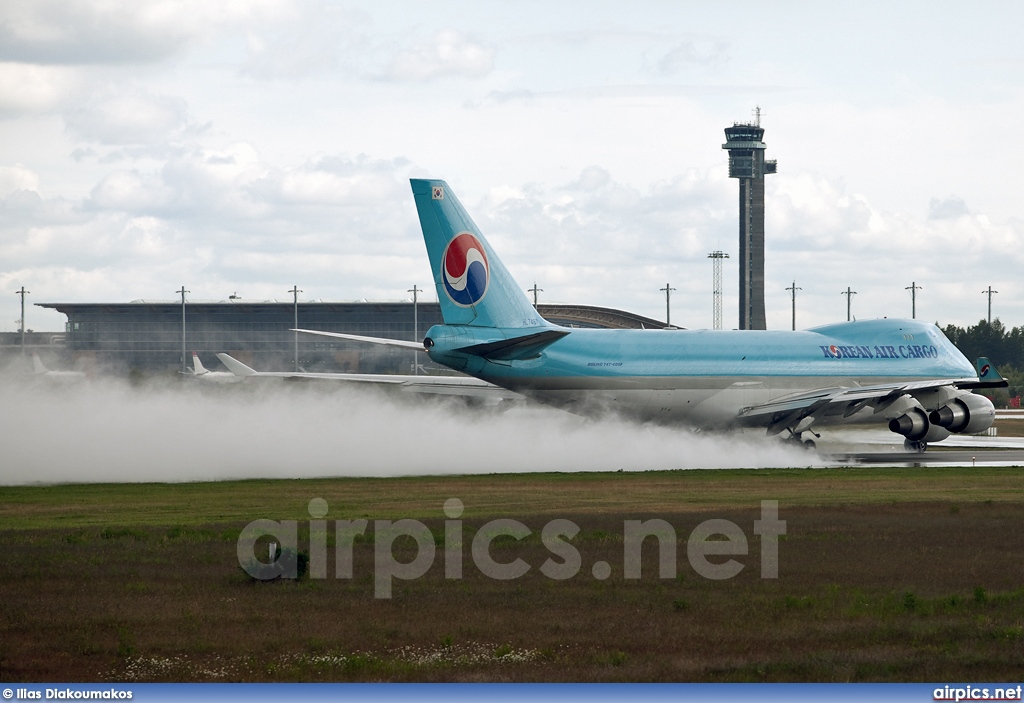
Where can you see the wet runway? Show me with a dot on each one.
(875, 447)
(937, 457)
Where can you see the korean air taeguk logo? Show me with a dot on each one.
(465, 270)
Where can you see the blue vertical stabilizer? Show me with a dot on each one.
(473, 287)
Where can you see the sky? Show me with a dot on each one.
(245, 147)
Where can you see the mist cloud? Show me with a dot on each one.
(110, 431)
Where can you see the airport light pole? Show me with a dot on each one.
(415, 325)
(184, 369)
(849, 296)
(668, 308)
(913, 288)
(295, 299)
(535, 290)
(989, 292)
(21, 323)
(794, 289)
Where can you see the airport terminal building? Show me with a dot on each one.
(147, 335)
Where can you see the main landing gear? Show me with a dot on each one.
(798, 439)
(915, 447)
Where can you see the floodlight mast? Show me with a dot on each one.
(913, 288)
(535, 290)
(668, 308)
(295, 292)
(184, 368)
(849, 296)
(989, 292)
(794, 288)
(415, 325)
(21, 323)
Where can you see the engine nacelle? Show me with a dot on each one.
(968, 414)
(913, 424)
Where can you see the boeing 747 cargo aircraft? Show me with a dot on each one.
(903, 374)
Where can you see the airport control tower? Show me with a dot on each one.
(747, 163)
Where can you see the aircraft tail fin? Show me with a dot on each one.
(473, 286)
(197, 366)
(987, 372)
(235, 366)
(37, 364)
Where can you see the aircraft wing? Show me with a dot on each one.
(439, 385)
(839, 401)
(845, 401)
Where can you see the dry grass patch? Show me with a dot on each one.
(867, 592)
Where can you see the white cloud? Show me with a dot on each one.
(448, 52)
(332, 181)
(116, 31)
(17, 177)
(128, 119)
(607, 184)
(131, 191)
(26, 88)
(702, 53)
(320, 38)
(946, 208)
(828, 239)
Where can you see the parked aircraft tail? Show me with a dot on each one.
(473, 286)
(197, 366)
(235, 366)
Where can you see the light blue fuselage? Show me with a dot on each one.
(703, 376)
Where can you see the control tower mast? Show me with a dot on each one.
(747, 163)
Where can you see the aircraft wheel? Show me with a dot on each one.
(810, 445)
(916, 447)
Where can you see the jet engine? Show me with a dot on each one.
(916, 427)
(913, 424)
(968, 414)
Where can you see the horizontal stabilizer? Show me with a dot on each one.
(526, 347)
(371, 340)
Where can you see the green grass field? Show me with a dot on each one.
(886, 574)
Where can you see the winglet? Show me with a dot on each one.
(235, 366)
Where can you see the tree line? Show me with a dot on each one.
(1003, 346)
